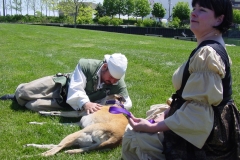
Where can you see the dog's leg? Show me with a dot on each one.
(89, 138)
(81, 150)
(71, 114)
(101, 136)
(92, 147)
(48, 146)
(68, 141)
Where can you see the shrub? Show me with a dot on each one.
(131, 21)
(116, 21)
(175, 23)
(185, 26)
(84, 20)
(104, 20)
(139, 24)
(148, 22)
(8, 18)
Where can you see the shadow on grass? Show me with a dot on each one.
(68, 120)
(15, 106)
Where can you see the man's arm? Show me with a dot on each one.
(77, 96)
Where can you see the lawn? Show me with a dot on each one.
(29, 52)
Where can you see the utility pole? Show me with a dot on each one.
(169, 9)
(3, 7)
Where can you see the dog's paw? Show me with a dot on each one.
(39, 123)
(46, 154)
(73, 151)
(28, 145)
(52, 113)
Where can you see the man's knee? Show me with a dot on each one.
(43, 105)
(19, 94)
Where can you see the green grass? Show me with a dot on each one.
(29, 52)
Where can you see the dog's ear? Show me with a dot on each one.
(120, 98)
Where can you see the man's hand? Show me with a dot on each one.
(91, 107)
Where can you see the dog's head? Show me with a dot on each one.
(113, 99)
(117, 97)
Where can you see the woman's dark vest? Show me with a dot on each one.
(223, 141)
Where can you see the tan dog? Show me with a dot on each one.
(101, 130)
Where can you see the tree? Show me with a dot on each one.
(110, 7)
(10, 6)
(85, 15)
(236, 16)
(17, 6)
(158, 11)
(46, 4)
(120, 7)
(129, 7)
(100, 11)
(41, 7)
(142, 8)
(182, 11)
(53, 5)
(70, 7)
(33, 5)
(27, 3)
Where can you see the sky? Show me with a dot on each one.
(164, 2)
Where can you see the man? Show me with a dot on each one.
(91, 81)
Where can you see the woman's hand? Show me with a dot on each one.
(139, 124)
(143, 125)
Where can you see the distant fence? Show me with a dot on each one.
(164, 32)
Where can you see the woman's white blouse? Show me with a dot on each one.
(194, 120)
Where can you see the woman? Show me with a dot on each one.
(202, 122)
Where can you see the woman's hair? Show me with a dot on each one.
(220, 7)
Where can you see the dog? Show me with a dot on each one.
(101, 130)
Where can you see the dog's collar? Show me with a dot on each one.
(114, 102)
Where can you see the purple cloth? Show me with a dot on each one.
(117, 110)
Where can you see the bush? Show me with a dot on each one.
(18, 18)
(69, 20)
(131, 21)
(116, 21)
(8, 18)
(104, 20)
(139, 24)
(148, 22)
(185, 26)
(95, 20)
(84, 20)
(175, 23)
(44, 20)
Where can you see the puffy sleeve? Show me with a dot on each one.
(194, 120)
